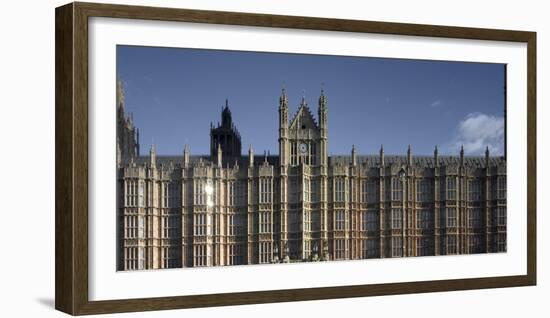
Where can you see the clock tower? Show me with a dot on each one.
(303, 180)
(304, 138)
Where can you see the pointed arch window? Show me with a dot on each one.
(313, 153)
(293, 153)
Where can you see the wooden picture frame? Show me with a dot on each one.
(71, 220)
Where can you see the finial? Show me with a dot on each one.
(226, 103)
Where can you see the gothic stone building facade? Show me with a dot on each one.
(302, 205)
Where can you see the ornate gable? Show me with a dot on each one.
(303, 119)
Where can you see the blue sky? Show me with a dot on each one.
(174, 94)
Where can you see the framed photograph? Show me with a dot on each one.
(210, 158)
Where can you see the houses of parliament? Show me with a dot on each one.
(228, 208)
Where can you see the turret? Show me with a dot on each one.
(227, 122)
(225, 135)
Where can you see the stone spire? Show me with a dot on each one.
(487, 156)
(322, 99)
(283, 111)
(284, 145)
(250, 156)
(322, 111)
(409, 156)
(153, 155)
(382, 156)
(353, 156)
(137, 142)
(462, 155)
(283, 99)
(436, 156)
(323, 127)
(219, 155)
(120, 94)
(186, 156)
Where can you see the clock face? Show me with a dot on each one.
(303, 148)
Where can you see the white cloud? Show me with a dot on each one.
(478, 131)
(435, 103)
